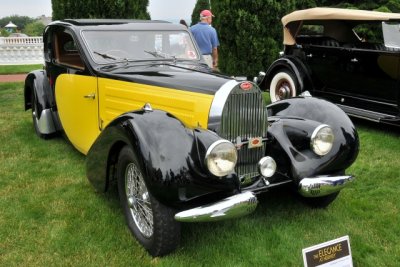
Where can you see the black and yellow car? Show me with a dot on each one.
(181, 143)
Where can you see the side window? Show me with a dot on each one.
(312, 30)
(370, 35)
(47, 46)
(391, 34)
(313, 34)
(65, 50)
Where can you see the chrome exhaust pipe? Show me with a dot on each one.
(228, 208)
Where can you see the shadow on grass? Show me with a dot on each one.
(278, 206)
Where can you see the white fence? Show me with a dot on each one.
(21, 50)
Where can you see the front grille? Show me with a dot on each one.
(244, 117)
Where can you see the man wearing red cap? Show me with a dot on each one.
(207, 38)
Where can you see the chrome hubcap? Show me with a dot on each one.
(284, 90)
(138, 200)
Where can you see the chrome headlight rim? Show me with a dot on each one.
(315, 137)
(209, 156)
(267, 166)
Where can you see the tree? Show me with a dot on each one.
(250, 33)
(200, 5)
(20, 21)
(4, 33)
(34, 28)
(116, 9)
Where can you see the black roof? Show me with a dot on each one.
(118, 24)
(87, 22)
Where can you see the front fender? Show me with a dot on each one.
(292, 123)
(294, 65)
(170, 153)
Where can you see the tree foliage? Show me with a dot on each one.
(116, 9)
(34, 28)
(200, 5)
(249, 35)
(20, 21)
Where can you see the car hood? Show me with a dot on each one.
(194, 78)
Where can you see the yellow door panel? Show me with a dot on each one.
(117, 97)
(77, 103)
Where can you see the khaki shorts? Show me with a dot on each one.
(209, 60)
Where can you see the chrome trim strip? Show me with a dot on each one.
(45, 122)
(228, 208)
(323, 185)
(218, 103)
(316, 130)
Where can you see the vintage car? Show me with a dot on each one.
(181, 143)
(349, 57)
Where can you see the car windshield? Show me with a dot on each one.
(111, 46)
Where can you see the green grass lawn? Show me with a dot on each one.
(17, 69)
(51, 216)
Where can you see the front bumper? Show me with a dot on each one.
(323, 185)
(231, 207)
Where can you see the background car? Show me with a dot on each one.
(349, 57)
(181, 144)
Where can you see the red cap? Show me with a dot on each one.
(206, 13)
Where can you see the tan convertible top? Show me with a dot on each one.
(293, 21)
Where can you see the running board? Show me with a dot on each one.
(369, 115)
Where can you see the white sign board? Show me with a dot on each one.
(334, 253)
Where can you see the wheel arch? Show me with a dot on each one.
(295, 66)
(35, 79)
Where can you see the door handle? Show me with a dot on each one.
(90, 96)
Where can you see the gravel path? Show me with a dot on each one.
(12, 78)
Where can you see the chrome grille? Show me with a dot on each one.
(244, 116)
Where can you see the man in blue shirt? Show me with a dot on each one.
(207, 38)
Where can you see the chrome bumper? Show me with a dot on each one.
(323, 185)
(231, 207)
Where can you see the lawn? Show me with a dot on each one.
(17, 69)
(51, 216)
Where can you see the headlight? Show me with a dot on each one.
(322, 140)
(221, 158)
(267, 166)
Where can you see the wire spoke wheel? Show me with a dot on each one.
(150, 222)
(138, 200)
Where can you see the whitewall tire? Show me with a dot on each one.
(283, 86)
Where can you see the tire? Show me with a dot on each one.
(283, 85)
(150, 222)
(35, 111)
(320, 202)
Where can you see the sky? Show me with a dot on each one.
(158, 9)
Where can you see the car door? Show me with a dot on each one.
(327, 62)
(76, 98)
(375, 78)
(75, 91)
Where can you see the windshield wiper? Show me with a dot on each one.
(158, 54)
(106, 56)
